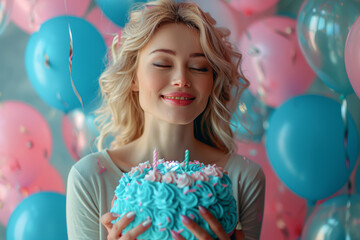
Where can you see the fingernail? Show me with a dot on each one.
(185, 219)
(174, 234)
(202, 210)
(130, 214)
(238, 226)
(115, 215)
(146, 222)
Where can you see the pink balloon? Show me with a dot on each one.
(249, 7)
(352, 56)
(107, 29)
(79, 133)
(30, 14)
(285, 212)
(273, 61)
(10, 196)
(48, 180)
(5, 13)
(25, 143)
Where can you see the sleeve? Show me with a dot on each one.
(82, 214)
(252, 197)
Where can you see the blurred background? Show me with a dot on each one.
(300, 118)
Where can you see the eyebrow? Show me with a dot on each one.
(171, 52)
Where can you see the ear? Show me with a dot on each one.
(135, 85)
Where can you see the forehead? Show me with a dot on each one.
(175, 36)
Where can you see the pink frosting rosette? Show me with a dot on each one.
(184, 180)
(200, 176)
(169, 177)
(153, 176)
(212, 171)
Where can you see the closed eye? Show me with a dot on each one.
(200, 69)
(161, 65)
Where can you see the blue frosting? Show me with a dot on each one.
(164, 202)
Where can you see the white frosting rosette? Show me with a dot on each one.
(153, 176)
(212, 170)
(200, 176)
(184, 180)
(169, 177)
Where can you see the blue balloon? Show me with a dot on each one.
(40, 216)
(252, 114)
(47, 63)
(118, 10)
(335, 219)
(306, 148)
(322, 29)
(357, 179)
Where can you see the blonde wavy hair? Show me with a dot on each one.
(121, 115)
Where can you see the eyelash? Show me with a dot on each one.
(168, 66)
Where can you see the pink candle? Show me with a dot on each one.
(155, 159)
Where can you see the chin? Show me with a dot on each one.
(180, 120)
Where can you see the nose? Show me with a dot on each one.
(180, 79)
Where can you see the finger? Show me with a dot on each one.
(106, 220)
(136, 231)
(193, 227)
(214, 224)
(120, 225)
(176, 236)
(113, 200)
(239, 235)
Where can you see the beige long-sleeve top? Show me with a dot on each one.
(93, 179)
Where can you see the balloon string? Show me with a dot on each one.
(70, 60)
(31, 15)
(346, 132)
(255, 52)
(70, 67)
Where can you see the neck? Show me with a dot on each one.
(170, 140)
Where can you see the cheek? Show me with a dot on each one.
(207, 87)
(150, 85)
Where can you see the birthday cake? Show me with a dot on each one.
(165, 190)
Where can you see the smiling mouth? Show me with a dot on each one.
(177, 98)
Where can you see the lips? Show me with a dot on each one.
(178, 98)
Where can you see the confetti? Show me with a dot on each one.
(29, 144)
(102, 168)
(22, 129)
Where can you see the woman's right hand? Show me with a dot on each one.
(115, 230)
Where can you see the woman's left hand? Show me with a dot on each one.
(198, 231)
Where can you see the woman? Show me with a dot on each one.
(173, 84)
